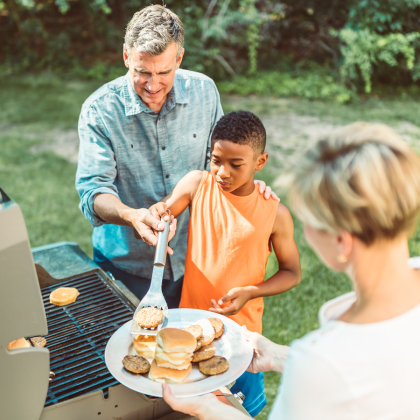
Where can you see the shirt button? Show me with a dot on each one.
(167, 176)
(163, 148)
(194, 135)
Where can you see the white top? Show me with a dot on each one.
(348, 371)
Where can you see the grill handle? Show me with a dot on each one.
(162, 244)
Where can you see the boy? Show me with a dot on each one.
(230, 234)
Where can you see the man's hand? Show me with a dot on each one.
(268, 192)
(268, 356)
(147, 225)
(238, 296)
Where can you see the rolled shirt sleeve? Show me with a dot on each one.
(97, 169)
(216, 117)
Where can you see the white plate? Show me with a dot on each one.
(231, 345)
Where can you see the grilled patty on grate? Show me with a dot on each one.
(39, 341)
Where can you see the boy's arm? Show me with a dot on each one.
(287, 276)
(180, 197)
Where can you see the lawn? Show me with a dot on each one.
(40, 109)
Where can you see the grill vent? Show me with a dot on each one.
(78, 334)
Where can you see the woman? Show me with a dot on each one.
(358, 195)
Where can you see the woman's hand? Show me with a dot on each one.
(268, 192)
(206, 407)
(192, 406)
(238, 296)
(268, 356)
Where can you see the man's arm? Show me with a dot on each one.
(287, 276)
(217, 114)
(95, 182)
(180, 197)
(112, 210)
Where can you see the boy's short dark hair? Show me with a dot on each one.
(241, 127)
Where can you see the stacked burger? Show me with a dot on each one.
(174, 351)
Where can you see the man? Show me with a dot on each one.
(139, 135)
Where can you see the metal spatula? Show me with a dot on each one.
(154, 297)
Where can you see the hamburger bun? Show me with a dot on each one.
(170, 376)
(20, 343)
(174, 358)
(164, 363)
(145, 345)
(175, 340)
(63, 296)
(208, 331)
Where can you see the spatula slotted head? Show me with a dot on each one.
(153, 299)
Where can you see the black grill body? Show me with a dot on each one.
(78, 334)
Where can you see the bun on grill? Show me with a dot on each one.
(20, 343)
(144, 345)
(63, 296)
(162, 374)
(175, 340)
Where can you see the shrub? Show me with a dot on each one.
(364, 49)
(309, 85)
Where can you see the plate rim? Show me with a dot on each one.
(203, 314)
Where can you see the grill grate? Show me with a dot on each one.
(78, 334)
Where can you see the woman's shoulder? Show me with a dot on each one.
(342, 343)
(336, 307)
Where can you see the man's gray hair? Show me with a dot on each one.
(152, 29)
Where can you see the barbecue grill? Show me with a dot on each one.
(68, 379)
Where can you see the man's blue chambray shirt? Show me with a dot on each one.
(138, 155)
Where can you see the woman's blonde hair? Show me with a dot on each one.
(363, 179)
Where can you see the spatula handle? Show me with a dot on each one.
(162, 244)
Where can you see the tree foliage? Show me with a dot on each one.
(360, 43)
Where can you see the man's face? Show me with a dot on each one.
(152, 78)
(233, 166)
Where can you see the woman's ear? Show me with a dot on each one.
(345, 243)
(261, 161)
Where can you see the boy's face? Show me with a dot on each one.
(233, 166)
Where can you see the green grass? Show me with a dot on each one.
(43, 183)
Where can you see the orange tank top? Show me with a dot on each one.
(228, 246)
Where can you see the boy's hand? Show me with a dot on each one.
(238, 297)
(158, 211)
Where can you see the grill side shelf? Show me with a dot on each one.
(78, 334)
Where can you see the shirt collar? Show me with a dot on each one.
(134, 105)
